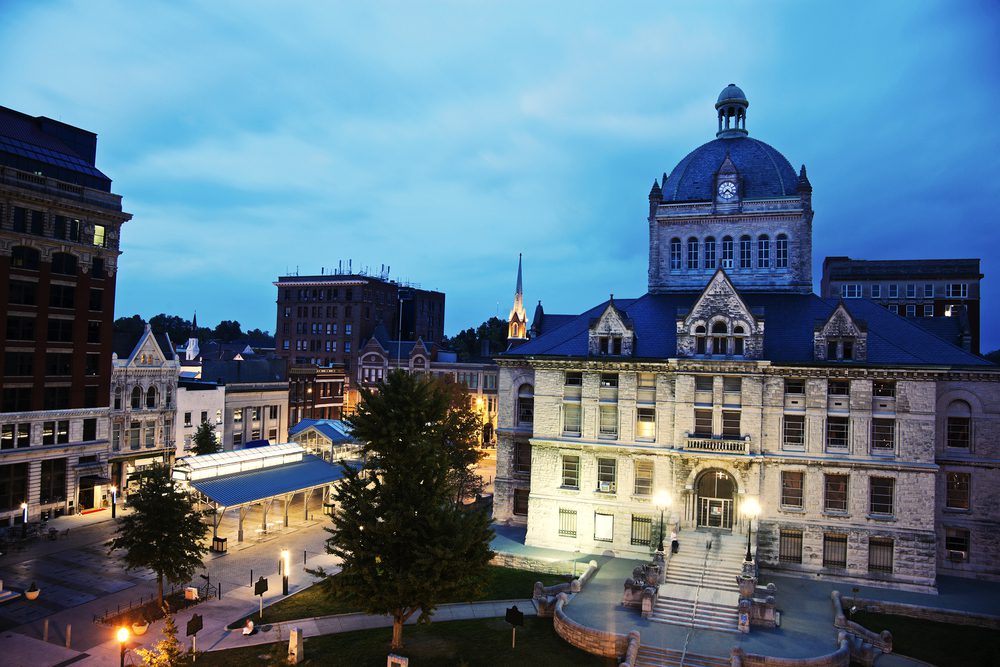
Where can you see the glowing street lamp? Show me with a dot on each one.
(283, 565)
(114, 501)
(750, 508)
(122, 637)
(662, 500)
(24, 520)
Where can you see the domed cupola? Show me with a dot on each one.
(732, 110)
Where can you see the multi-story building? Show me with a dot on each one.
(943, 294)
(315, 392)
(143, 404)
(256, 400)
(381, 354)
(59, 233)
(869, 442)
(198, 401)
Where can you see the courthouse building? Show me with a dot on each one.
(869, 442)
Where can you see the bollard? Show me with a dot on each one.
(220, 590)
(251, 577)
(45, 630)
(303, 556)
(69, 632)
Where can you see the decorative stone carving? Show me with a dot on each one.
(720, 317)
(612, 333)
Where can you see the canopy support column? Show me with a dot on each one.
(287, 499)
(217, 519)
(243, 514)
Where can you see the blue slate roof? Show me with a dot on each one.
(765, 172)
(334, 429)
(247, 487)
(790, 320)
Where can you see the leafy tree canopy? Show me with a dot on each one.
(165, 533)
(404, 541)
(179, 329)
(469, 343)
(204, 440)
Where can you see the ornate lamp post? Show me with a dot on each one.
(751, 508)
(283, 566)
(122, 636)
(662, 501)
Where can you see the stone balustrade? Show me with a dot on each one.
(696, 443)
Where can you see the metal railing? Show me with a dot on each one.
(725, 444)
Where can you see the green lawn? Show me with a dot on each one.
(501, 583)
(474, 643)
(940, 644)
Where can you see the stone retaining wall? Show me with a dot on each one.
(951, 616)
(535, 564)
(839, 658)
(598, 642)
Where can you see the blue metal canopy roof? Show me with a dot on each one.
(243, 488)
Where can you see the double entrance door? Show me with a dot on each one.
(715, 513)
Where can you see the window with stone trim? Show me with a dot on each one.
(692, 253)
(795, 386)
(837, 429)
(835, 550)
(643, 478)
(883, 436)
(52, 481)
(958, 425)
(838, 388)
(957, 490)
(781, 252)
(835, 493)
(791, 488)
(956, 543)
(880, 554)
(746, 252)
(703, 423)
(790, 546)
(727, 252)
(521, 502)
(567, 523)
(645, 427)
(794, 432)
(731, 424)
(607, 473)
(763, 252)
(709, 252)
(675, 254)
(884, 388)
(604, 527)
(525, 404)
(571, 419)
(571, 472)
(881, 492)
(609, 421)
(522, 457)
(646, 388)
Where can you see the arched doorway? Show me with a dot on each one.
(716, 494)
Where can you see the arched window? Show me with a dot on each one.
(699, 339)
(959, 425)
(118, 398)
(719, 335)
(63, 263)
(746, 252)
(727, 252)
(763, 252)
(526, 405)
(23, 257)
(151, 397)
(781, 252)
(675, 253)
(136, 398)
(692, 262)
(738, 337)
(710, 252)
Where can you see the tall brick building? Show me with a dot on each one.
(59, 233)
(869, 442)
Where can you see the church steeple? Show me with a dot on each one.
(517, 322)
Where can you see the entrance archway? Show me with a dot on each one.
(716, 494)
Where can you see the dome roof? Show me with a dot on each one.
(731, 92)
(763, 170)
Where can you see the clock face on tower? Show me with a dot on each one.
(727, 190)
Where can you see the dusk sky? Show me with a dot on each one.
(254, 139)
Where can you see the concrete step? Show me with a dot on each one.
(652, 656)
(689, 613)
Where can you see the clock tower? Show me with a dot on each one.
(735, 204)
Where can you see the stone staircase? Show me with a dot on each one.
(700, 587)
(650, 656)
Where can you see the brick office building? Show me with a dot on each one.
(325, 319)
(869, 442)
(942, 294)
(59, 234)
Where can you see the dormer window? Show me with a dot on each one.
(841, 349)
(719, 336)
(700, 339)
(738, 340)
(610, 345)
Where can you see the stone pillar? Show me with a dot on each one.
(296, 647)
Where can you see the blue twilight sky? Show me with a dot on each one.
(250, 139)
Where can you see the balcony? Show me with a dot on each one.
(725, 445)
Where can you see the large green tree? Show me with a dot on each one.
(469, 343)
(404, 541)
(204, 440)
(164, 533)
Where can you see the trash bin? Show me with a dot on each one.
(328, 508)
(219, 544)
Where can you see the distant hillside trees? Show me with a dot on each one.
(179, 330)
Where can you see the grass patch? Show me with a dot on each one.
(941, 644)
(499, 583)
(472, 643)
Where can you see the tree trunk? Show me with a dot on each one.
(159, 588)
(397, 632)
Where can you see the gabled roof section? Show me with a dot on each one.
(719, 296)
(841, 323)
(150, 350)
